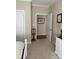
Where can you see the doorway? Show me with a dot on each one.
(41, 25)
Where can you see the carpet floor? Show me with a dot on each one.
(41, 49)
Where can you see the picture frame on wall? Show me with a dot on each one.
(41, 20)
(59, 18)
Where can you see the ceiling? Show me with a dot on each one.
(43, 2)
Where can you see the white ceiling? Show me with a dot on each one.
(43, 2)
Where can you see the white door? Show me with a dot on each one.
(50, 27)
(20, 25)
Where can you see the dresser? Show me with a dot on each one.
(58, 47)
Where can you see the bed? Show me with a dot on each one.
(21, 49)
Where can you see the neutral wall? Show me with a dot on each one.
(56, 9)
(38, 9)
(26, 6)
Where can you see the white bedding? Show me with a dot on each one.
(19, 49)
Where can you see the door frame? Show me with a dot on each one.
(36, 21)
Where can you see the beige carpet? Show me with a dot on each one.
(41, 49)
